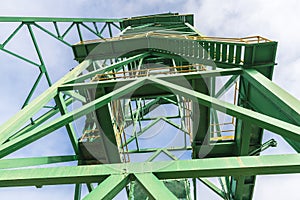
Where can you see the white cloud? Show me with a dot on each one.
(277, 187)
(276, 20)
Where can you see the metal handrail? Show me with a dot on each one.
(244, 40)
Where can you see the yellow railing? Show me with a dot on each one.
(244, 40)
(148, 72)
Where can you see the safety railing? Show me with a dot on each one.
(148, 72)
(90, 135)
(243, 40)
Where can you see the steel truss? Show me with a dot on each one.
(119, 95)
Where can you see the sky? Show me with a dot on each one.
(276, 20)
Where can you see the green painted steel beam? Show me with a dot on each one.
(132, 138)
(278, 103)
(289, 105)
(109, 188)
(77, 192)
(192, 49)
(57, 37)
(145, 109)
(56, 19)
(154, 155)
(200, 115)
(210, 167)
(194, 181)
(212, 150)
(240, 188)
(169, 154)
(226, 86)
(216, 149)
(248, 137)
(158, 152)
(34, 21)
(260, 56)
(29, 96)
(40, 120)
(149, 150)
(38, 52)
(215, 121)
(243, 137)
(163, 18)
(26, 162)
(135, 120)
(143, 130)
(12, 35)
(112, 83)
(108, 68)
(76, 96)
(174, 124)
(42, 67)
(154, 187)
(45, 129)
(274, 125)
(90, 187)
(19, 56)
(213, 187)
(17, 121)
(131, 190)
(105, 123)
(194, 29)
(60, 102)
(225, 184)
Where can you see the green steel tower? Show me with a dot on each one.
(158, 108)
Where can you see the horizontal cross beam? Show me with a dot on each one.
(210, 167)
(56, 19)
(170, 77)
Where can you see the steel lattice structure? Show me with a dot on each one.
(154, 62)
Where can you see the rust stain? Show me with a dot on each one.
(240, 162)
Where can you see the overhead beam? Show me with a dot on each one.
(27, 162)
(170, 77)
(210, 167)
(56, 19)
